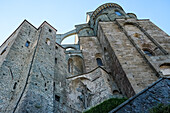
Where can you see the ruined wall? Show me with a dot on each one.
(94, 86)
(15, 68)
(152, 96)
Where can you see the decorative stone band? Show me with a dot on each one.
(104, 6)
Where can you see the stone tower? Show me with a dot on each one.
(115, 55)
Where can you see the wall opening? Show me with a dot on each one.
(15, 84)
(165, 68)
(50, 30)
(70, 49)
(55, 60)
(47, 41)
(70, 66)
(27, 44)
(54, 85)
(56, 47)
(137, 35)
(71, 39)
(106, 54)
(148, 52)
(118, 13)
(3, 51)
(99, 62)
(57, 98)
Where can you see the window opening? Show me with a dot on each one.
(56, 47)
(57, 98)
(48, 41)
(56, 60)
(118, 13)
(147, 52)
(27, 44)
(15, 85)
(70, 66)
(99, 62)
(50, 30)
(165, 68)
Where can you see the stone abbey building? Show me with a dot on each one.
(115, 55)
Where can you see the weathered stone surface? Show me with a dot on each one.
(114, 55)
(145, 100)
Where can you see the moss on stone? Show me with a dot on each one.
(160, 108)
(106, 106)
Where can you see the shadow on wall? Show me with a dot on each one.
(75, 65)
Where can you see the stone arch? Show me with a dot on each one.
(68, 36)
(120, 11)
(77, 64)
(75, 82)
(99, 60)
(165, 69)
(105, 6)
(106, 54)
(70, 65)
(115, 92)
(130, 23)
(132, 15)
(99, 18)
(64, 36)
(82, 31)
(70, 48)
(148, 51)
(47, 41)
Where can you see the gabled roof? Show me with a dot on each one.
(25, 21)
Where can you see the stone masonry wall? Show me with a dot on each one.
(136, 69)
(155, 32)
(7, 45)
(38, 93)
(112, 63)
(152, 96)
(60, 74)
(90, 47)
(15, 68)
(97, 83)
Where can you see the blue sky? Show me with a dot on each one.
(63, 15)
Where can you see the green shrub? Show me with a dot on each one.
(106, 106)
(160, 108)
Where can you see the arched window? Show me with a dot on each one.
(165, 69)
(106, 54)
(118, 13)
(148, 52)
(47, 41)
(70, 66)
(99, 62)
